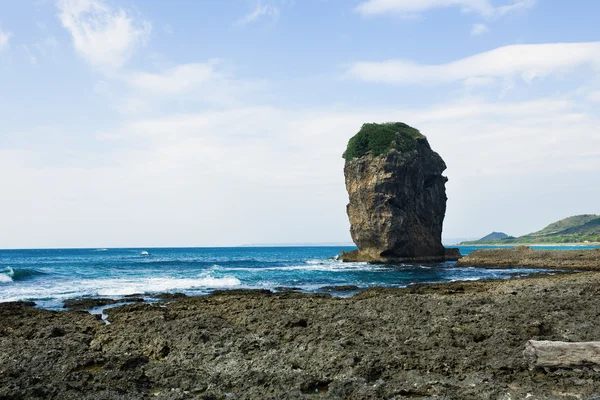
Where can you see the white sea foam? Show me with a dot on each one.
(113, 287)
(7, 275)
(324, 268)
(468, 278)
(311, 265)
(330, 266)
(118, 287)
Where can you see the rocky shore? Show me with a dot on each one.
(461, 340)
(524, 256)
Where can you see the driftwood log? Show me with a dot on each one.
(545, 353)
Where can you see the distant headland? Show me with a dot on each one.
(578, 229)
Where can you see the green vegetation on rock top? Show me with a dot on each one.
(378, 139)
(576, 229)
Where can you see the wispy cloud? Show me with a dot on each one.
(261, 10)
(479, 29)
(4, 39)
(594, 96)
(414, 7)
(30, 56)
(182, 86)
(517, 5)
(101, 35)
(528, 62)
(177, 80)
(47, 47)
(243, 150)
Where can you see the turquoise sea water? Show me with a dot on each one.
(50, 276)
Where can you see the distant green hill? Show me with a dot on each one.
(494, 236)
(576, 229)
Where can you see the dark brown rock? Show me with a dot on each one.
(524, 256)
(89, 303)
(169, 296)
(287, 289)
(462, 340)
(397, 205)
(340, 288)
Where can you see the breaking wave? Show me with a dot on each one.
(6, 276)
(118, 287)
(10, 274)
(311, 265)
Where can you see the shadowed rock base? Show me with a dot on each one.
(451, 254)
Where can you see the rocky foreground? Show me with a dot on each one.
(524, 256)
(443, 341)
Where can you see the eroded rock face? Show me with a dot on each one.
(397, 205)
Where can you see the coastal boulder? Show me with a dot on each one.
(397, 195)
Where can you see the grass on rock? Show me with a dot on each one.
(378, 139)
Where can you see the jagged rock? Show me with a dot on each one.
(89, 303)
(397, 196)
(340, 288)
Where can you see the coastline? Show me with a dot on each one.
(452, 340)
(530, 244)
(527, 257)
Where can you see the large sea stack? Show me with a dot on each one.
(397, 196)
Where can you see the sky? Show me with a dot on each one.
(222, 123)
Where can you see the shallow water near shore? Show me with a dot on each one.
(49, 276)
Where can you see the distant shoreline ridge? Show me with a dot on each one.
(531, 244)
(575, 230)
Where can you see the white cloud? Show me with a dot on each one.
(518, 5)
(47, 45)
(177, 88)
(104, 37)
(30, 55)
(261, 10)
(414, 7)
(479, 29)
(187, 171)
(528, 62)
(4, 39)
(176, 80)
(594, 96)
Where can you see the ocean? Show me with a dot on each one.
(49, 276)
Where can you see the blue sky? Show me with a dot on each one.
(200, 123)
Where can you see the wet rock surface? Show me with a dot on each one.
(340, 288)
(397, 205)
(463, 340)
(87, 304)
(524, 256)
